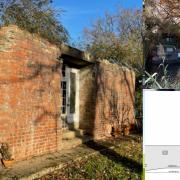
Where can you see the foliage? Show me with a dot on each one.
(162, 15)
(165, 10)
(138, 98)
(35, 16)
(118, 38)
(161, 79)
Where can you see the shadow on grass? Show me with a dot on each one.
(114, 156)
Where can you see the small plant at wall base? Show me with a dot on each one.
(121, 123)
(125, 122)
(6, 157)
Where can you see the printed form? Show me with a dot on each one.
(161, 134)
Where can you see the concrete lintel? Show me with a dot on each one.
(76, 53)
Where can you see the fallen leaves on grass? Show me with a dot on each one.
(124, 162)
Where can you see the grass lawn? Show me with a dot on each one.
(124, 162)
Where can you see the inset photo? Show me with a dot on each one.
(162, 44)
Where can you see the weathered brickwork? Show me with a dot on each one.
(87, 98)
(29, 93)
(106, 98)
(115, 99)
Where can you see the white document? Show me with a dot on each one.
(161, 134)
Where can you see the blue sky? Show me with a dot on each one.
(82, 13)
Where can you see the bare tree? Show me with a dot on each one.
(164, 10)
(118, 38)
(162, 16)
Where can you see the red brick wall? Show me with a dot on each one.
(106, 98)
(29, 93)
(115, 99)
(87, 98)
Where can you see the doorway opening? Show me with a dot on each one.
(70, 98)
